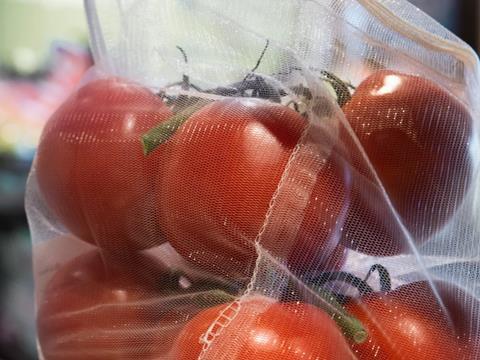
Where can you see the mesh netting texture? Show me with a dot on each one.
(261, 180)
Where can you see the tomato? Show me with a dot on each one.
(93, 308)
(416, 136)
(460, 309)
(99, 307)
(220, 171)
(464, 311)
(410, 323)
(265, 330)
(91, 169)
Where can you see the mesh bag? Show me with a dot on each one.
(261, 180)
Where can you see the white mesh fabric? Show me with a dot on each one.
(271, 197)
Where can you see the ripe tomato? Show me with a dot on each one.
(265, 330)
(95, 307)
(410, 323)
(416, 135)
(99, 307)
(220, 171)
(91, 169)
(460, 309)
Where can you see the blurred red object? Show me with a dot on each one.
(26, 104)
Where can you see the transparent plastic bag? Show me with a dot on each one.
(261, 180)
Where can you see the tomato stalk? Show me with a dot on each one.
(202, 293)
(162, 132)
(185, 78)
(351, 327)
(185, 106)
(213, 297)
(341, 88)
(177, 280)
(385, 281)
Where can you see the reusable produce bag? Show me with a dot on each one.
(267, 179)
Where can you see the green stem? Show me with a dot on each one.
(351, 327)
(162, 132)
(185, 78)
(340, 87)
(385, 281)
(175, 301)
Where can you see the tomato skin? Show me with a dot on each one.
(91, 169)
(99, 306)
(416, 135)
(462, 310)
(410, 323)
(94, 308)
(282, 332)
(220, 172)
(316, 245)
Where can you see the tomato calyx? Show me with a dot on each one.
(252, 86)
(184, 106)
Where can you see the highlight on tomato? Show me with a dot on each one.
(417, 137)
(91, 169)
(259, 328)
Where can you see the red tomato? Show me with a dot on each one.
(263, 329)
(460, 309)
(410, 323)
(95, 307)
(220, 171)
(417, 136)
(91, 168)
(99, 307)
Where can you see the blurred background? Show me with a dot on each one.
(43, 54)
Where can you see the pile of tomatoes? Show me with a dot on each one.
(128, 170)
